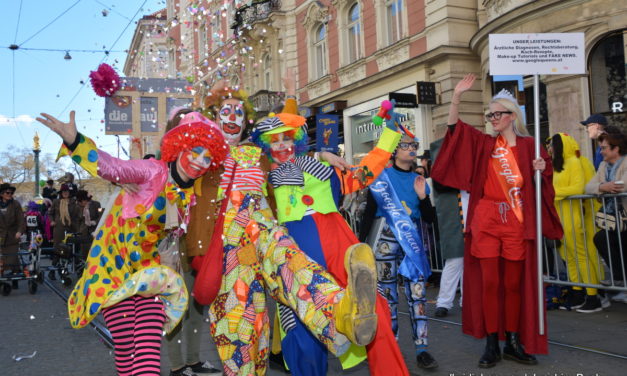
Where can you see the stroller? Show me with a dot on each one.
(28, 257)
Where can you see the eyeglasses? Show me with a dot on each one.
(407, 145)
(496, 115)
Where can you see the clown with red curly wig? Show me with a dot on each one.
(124, 278)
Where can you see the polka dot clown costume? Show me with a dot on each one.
(123, 277)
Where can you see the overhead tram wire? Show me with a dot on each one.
(112, 10)
(50, 23)
(17, 27)
(103, 59)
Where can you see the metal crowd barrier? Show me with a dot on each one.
(588, 255)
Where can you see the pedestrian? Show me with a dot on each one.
(596, 125)
(391, 247)
(49, 191)
(451, 205)
(139, 298)
(89, 215)
(12, 226)
(64, 218)
(500, 288)
(571, 172)
(307, 194)
(611, 218)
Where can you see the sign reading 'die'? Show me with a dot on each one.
(548, 53)
(141, 105)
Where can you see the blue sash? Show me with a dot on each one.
(415, 263)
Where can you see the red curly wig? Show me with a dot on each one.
(194, 130)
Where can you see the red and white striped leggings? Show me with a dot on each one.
(136, 326)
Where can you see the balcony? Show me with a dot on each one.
(265, 101)
(258, 10)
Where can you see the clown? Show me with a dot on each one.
(123, 277)
(243, 255)
(307, 192)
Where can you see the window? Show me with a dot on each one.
(267, 71)
(608, 82)
(202, 43)
(320, 52)
(394, 18)
(354, 34)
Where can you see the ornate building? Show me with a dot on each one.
(348, 55)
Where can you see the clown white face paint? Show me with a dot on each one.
(232, 119)
(192, 164)
(282, 148)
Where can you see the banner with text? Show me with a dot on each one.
(547, 53)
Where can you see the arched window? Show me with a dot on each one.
(266, 65)
(394, 20)
(320, 52)
(607, 78)
(353, 34)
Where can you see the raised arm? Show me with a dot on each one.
(97, 162)
(462, 86)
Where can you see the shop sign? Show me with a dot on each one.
(547, 53)
(426, 92)
(403, 100)
(333, 107)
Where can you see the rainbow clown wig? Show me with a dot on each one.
(194, 130)
(266, 131)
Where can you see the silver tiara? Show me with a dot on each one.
(505, 95)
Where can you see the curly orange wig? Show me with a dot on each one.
(194, 130)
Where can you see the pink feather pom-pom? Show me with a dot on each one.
(105, 80)
(386, 105)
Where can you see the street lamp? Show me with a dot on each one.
(36, 151)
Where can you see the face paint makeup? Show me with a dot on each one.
(195, 162)
(232, 120)
(282, 150)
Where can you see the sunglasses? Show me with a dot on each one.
(407, 145)
(9, 192)
(496, 115)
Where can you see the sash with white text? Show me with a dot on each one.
(415, 263)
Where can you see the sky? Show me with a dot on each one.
(34, 81)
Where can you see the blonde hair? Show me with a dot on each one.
(519, 126)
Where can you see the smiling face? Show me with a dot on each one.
(192, 164)
(501, 118)
(232, 120)
(282, 147)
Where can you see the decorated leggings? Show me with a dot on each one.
(389, 254)
(136, 326)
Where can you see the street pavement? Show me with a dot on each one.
(38, 323)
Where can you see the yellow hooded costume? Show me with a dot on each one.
(577, 247)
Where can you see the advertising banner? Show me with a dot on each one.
(327, 133)
(547, 53)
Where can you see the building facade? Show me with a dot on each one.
(349, 55)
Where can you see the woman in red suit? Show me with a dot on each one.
(500, 292)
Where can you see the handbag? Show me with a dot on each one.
(169, 253)
(610, 222)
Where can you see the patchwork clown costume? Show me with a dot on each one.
(258, 256)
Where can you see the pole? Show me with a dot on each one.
(536, 118)
(36, 152)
